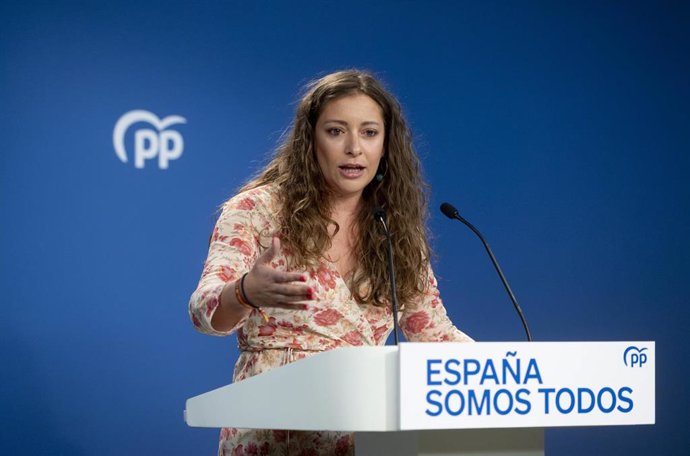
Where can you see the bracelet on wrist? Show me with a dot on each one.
(241, 297)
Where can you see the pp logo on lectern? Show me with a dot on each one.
(634, 356)
(165, 144)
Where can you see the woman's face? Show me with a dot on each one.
(349, 140)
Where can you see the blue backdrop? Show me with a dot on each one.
(559, 128)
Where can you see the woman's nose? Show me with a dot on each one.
(353, 146)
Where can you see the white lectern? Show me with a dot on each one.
(444, 398)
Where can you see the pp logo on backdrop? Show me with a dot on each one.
(633, 356)
(165, 144)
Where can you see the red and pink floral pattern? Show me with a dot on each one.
(333, 319)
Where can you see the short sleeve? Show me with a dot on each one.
(233, 249)
(427, 319)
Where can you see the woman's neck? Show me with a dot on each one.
(346, 207)
(344, 213)
(343, 242)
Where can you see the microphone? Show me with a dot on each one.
(380, 215)
(452, 213)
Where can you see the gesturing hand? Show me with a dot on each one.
(266, 287)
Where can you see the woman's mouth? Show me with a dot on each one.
(351, 171)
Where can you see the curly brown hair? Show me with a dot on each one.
(306, 212)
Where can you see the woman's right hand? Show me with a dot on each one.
(267, 287)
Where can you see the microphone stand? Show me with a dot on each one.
(451, 212)
(380, 215)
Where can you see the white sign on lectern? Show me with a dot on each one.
(522, 384)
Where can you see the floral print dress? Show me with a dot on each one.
(333, 319)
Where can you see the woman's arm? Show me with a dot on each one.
(235, 250)
(427, 319)
(232, 251)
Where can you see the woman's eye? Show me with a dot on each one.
(334, 131)
(370, 132)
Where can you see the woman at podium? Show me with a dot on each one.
(297, 261)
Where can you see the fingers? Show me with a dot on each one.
(266, 286)
(281, 277)
(287, 277)
(292, 293)
(291, 306)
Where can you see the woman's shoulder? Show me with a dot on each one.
(263, 198)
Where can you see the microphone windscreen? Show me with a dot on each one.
(449, 210)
